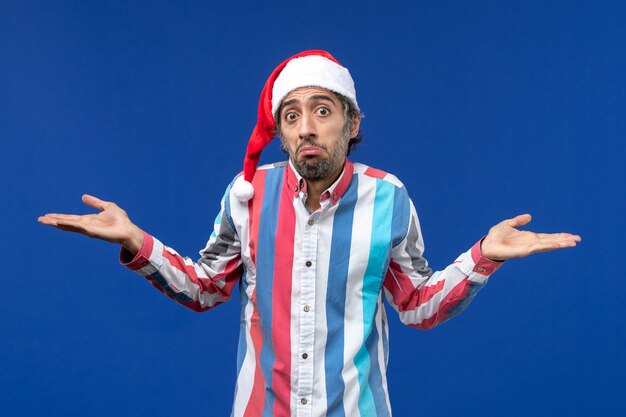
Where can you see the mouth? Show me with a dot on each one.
(309, 150)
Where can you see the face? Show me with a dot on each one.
(313, 132)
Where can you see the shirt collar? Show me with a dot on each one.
(297, 184)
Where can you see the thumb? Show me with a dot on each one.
(520, 220)
(95, 202)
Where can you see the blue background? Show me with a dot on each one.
(483, 109)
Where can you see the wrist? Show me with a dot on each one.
(134, 241)
(486, 253)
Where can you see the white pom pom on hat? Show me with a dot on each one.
(312, 68)
(243, 190)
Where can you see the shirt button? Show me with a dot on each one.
(307, 309)
(311, 222)
(308, 263)
(303, 401)
(304, 356)
(480, 269)
(295, 188)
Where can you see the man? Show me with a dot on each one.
(314, 244)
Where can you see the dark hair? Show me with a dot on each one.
(350, 112)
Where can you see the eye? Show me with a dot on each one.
(323, 111)
(291, 116)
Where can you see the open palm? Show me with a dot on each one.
(110, 224)
(504, 241)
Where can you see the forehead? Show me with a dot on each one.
(304, 94)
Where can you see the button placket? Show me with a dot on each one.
(304, 390)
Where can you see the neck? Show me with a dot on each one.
(315, 188)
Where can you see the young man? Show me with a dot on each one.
(314, 243)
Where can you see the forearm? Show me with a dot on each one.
(426, 301)
(197, 285)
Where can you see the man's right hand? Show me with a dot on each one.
(111, 224)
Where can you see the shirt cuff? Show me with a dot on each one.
(482, 264)
(142, 258)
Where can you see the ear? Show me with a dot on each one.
(356, 124)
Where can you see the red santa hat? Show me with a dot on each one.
(313, 68)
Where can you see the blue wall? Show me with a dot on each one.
(483, 109)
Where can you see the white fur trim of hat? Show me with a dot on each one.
(313, 71)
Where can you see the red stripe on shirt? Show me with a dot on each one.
(483, 266)
(404, 294)
(376, 173)
(254, 408)
(141, 258)
(230, 275)
(344, 181)
(281, 302)
(458, 293)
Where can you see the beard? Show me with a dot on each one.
(316, 168)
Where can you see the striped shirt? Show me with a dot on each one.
(314, 334)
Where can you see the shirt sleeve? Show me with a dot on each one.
(199, 285)
(424, 298)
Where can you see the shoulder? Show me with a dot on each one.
(266, 167)
(272, 166)
(391, 194)
(367, 173)
(263, 170)
(266, 177)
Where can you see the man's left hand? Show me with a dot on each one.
(504, 241)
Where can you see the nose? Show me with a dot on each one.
(306, 128)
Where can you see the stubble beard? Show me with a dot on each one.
(316, 169)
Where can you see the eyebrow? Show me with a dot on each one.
(314, 97)
(323, 97)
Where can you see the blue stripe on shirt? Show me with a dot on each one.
(401, 216)
(375, 379)
(462, 304)
(336, 299)
(372, 281)
(178, 296)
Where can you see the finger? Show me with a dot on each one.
(47, 219)
(552, 245)
(559, 236)
(72, 221)
(95, 202)
(520, 220)
(71, 228)
(67, 225)
(569, 236)
(78, 225)
(59, 216)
